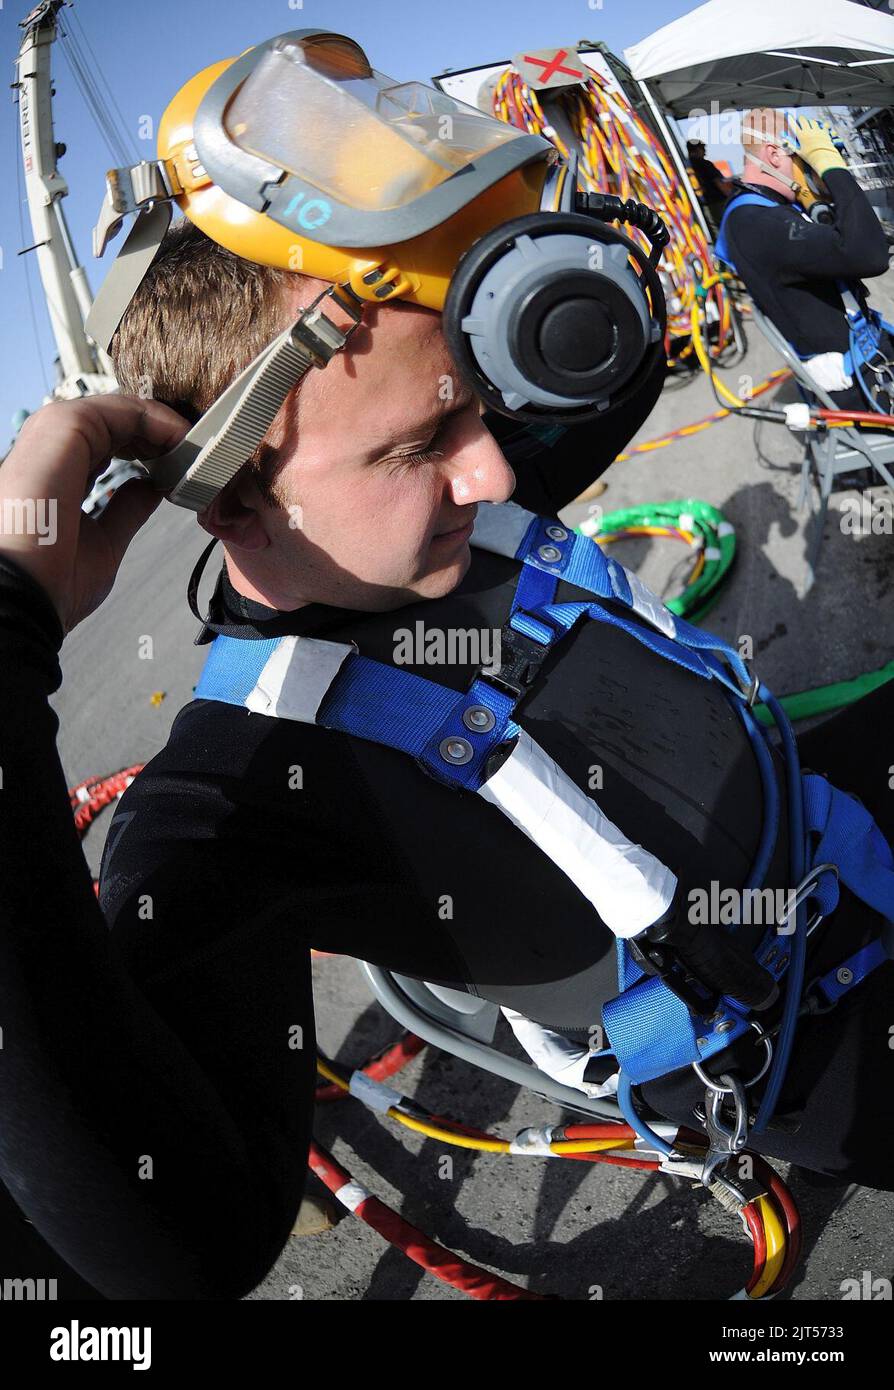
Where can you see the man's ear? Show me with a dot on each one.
(235, 515)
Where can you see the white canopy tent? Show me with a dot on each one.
(744, 53)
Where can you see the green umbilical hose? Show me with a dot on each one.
(698, 524)
(713, 539)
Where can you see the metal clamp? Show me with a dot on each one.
(319, 335)
(130, 189)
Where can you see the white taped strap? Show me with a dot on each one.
(535, 1140)
(500, 527)
(827, 369)
(686, 522)
(351, 1195)
(628, 886)
(373, 1093)
(296, 677)
(647, 604)
(556, 1055)
(725, 528)
(797, 415)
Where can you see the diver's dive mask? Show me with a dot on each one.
(298, 154)
(807, 186)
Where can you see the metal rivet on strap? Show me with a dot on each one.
(479, 718)
(843, 975)
(557, 533)
(456, 750)
(726, 1026)
(549, 554)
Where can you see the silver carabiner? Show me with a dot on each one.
(724, 1141)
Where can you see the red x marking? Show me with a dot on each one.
(554, 66)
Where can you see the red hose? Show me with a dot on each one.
(862, 417)
(88, 798)
(443, 1264)
(759, 1238)
(791, 1218)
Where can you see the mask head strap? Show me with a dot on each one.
(762, 164)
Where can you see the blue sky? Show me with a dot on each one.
(145, 51)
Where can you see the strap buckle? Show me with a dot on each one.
(520, 661)
(658, 957)
(130, 189)
(318, 334)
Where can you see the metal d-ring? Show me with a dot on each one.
(763, 1037)
(803, 891)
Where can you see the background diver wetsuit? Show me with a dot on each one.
(709, 181)
(127, 1037)
(789, 266)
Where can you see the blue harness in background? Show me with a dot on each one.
(865, 325)
(651, 1030)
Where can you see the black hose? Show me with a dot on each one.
(609, 208)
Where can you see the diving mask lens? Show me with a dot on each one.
(319, 111)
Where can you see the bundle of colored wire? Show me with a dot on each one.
(819, 418)
(771, 1218)
(619, 153)
(412, 1116)
(696, 523)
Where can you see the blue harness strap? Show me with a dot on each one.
(850, 838)
(452, 735)
(739, 200)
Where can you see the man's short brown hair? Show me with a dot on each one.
(198, 318)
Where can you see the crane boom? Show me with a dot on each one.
(83, 368)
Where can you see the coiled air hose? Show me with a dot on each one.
(620, 155)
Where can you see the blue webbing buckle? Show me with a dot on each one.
(520, 661)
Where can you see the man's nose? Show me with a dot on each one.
(479, 472)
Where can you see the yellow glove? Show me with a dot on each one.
(813, 142)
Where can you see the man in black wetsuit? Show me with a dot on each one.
(713, 186)
(791, 265)
(383, 477)
(183, 1052)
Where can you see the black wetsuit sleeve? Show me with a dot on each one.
(708, 173)
(114, 1141)
(851, 247)
(552, 467)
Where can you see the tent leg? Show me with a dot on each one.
(673, 149)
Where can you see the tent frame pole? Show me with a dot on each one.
(674, 149)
